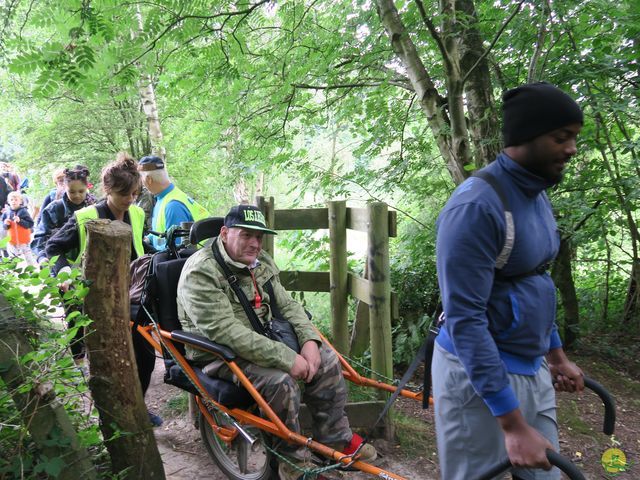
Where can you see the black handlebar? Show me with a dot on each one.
(563, 463)
(607, 400)
(176, 232)
(555, 458)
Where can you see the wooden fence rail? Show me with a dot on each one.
(380, 224)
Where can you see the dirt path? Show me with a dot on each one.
(580, 420)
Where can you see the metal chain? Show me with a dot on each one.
(309, 473)
(391, 381)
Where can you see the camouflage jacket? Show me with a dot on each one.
(208, 306)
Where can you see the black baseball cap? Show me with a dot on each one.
(150, 163)
(247, 216)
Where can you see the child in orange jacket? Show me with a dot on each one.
(18, 223)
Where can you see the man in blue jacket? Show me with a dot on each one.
(498, 356)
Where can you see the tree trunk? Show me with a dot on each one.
(563, 278)
(456, 154)
(483, 124)
(535, 73)
(42, 412)
(113, 381)
(632, 301)
(150, 105)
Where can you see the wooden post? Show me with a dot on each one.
(41, 410)
(338, 274)
(113, 380)
(360, 332)
(379, 289)
(267, 207)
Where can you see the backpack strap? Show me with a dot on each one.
(510, 231)
(235, 286)
(275, 311)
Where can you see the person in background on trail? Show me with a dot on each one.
(172, 205)
(32, 208)
(146, 201)
(56, 193)
(121, 184)
(8, 173)
(74, 197)
(498, 355)
(5, 189)
(208, 306)
(18, 223)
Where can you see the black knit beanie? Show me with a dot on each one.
(531, 110)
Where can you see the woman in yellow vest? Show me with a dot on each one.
(121, 184)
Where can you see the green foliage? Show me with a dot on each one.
(312, 99)
(35, 301)
(177, 404)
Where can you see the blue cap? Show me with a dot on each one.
(149, 163)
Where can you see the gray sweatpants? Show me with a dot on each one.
(469, 437)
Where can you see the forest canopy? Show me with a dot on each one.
(309, 101)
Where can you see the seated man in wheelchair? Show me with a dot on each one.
(209, 305)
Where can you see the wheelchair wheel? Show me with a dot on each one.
(239, 460)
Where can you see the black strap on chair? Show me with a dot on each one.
(425, 354)
(429, 344)
(235, 286)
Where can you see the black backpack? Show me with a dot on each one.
(5, 189)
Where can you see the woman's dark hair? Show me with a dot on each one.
(79, 172)
(121, 176)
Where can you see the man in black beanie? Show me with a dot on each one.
(498, 356)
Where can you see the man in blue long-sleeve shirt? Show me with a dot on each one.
(498, 356)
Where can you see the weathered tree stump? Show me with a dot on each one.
(113, 376)
(41, 410)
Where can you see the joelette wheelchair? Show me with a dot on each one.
(235, 421)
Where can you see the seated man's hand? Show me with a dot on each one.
(311, 354)
(300, 368)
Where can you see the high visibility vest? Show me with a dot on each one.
(197, 211)
(136, 215)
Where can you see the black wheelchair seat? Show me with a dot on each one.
(222, 391)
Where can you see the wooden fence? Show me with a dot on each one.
(375, 291)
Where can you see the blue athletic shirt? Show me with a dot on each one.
(497, 325)
(175, 213)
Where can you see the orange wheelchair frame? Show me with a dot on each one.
(271, 424)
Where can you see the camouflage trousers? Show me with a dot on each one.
(325, 397)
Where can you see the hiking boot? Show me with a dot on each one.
(156, 420)
(366, 454)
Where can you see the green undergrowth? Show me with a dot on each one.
(414, 436)
(34, 299)
(176, 405)
(570, 417)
